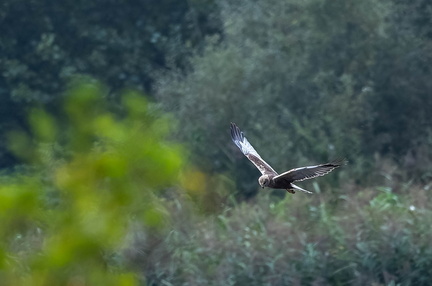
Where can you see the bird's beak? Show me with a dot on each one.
(262, 187)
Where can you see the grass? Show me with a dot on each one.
(366, 237)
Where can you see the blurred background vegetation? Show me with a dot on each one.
(117, 167)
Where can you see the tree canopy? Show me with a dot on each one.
(309, 79)
(45, 45)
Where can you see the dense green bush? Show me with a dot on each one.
(374, 237)
(89, 177)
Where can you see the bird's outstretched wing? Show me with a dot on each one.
(304, 173)
(240, 140)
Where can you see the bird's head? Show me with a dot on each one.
(264, 180)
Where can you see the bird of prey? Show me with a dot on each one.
(270, 178)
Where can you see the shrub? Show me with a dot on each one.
(374, 236)
(66, 216)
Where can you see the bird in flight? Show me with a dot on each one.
(270, 178)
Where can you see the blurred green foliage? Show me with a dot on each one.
(311, 80)
(91, 174)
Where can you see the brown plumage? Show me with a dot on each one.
(270, 178)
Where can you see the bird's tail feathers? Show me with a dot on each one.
(297, 188)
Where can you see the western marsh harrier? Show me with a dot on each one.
(270, 178)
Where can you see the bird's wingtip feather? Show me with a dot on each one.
(339, 161)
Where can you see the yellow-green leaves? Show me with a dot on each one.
(43, 125)
(105, 169)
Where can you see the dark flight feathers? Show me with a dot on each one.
(240, 140)
(310, 172)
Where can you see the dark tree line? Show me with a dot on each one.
(310, 79)
(46, 44)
